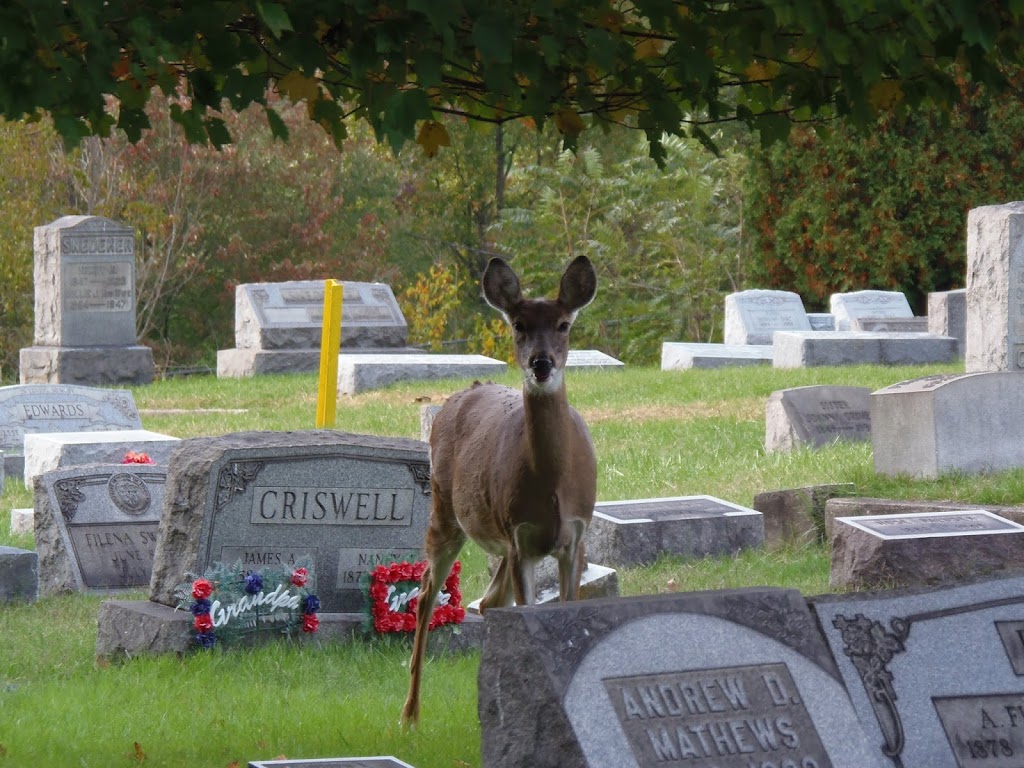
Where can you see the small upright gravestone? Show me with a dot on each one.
(947, 316)
(816, 416)
(751, 317)
(96, 527)
(729, 679)
(85, 306)
(848, 306)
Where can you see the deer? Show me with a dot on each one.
(512, 469)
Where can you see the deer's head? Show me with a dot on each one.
(540, 327)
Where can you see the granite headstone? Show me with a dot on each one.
(947, 316)
(858, 304)
(816, 416)
(333, 762)
(350, 502)
(936, 676)
(752, 316)
(726, 679)
(96, 526)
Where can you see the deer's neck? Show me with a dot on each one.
(549, 429)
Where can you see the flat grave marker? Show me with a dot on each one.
(591, 359)
(680, 355)
(730, 679)
(361, 372)
(96, 527)
(936, 676)
(816, 416)
(333, 762)
(751, 317)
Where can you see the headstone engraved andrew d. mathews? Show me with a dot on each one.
(936, 677)
(349, 502)
(728, 679)
(96, 526)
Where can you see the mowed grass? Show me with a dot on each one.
(656, 434)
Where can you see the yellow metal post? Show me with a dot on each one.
(330, 343)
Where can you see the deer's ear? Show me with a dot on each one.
(501, 286)
(578, 285)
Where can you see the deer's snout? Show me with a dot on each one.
(542, 367)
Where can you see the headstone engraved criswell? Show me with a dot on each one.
(727, 679)
(935, 676)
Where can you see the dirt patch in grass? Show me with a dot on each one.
(748, 409)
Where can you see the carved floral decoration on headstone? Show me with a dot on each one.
(394, 591)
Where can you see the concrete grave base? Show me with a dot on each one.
(47, 451)
(807, 349)
(127, 628)
(944, 548)
(19, 575)
(678, 356)
(360, 372)
(794, 517)
(86, 365)
(242, 363)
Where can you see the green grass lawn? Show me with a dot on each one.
(656, 434)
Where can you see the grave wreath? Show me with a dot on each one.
(394, 593)
(229, 602)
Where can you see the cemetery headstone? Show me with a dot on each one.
(890, 324)
(96, 527)
(19, 575)
(806, 349)
(85, 306)
(592, 359)
(636, 532)
(995, 288)
(859, 506)
(822, 321)
(278, 326)
(925, 427)
(816, 416)
(349, 502)
(361, 372)
(795, 516)
(730, 679)
(31, 408)
(752, 316)
(947, 316)
(859, 304)
(679, 356)
(22, 520)
(49, 451)
(333, 762)
(936, 676)
(923, 548)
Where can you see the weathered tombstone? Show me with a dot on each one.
(923, 548)
(889, 324)
(49, 451)
(752, 316)
(681, 356)
(635, 532)
(96, 527)
(31, 408)
(333, 762)
(278, 326)
(858, 304)
(958, 422)
(350, 502)
(995, 288)
(85, 306)
(822, 321)
(816, 416)
(947, 316)
(806, 349)
(859, 506)
(361, 372)
(936, 676)
(730, 679)
(794, 517)
(19, 575)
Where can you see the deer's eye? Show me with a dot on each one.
(518, 327)
(564, 327)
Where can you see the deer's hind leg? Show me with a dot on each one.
(443, 544)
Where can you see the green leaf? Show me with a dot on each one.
(275, 17)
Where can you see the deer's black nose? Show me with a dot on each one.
(541, 368)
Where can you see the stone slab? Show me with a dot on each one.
(636, 532)
(751, 316)
(22, 521)
(822, 321)
(816, 416)
(795, 517)
(289, 315)
(350, 502)
(995, 279)
(359, 373)
(334, 762)
(49, 451)
(592, 359)
(849, 306)
(730, 679)
(923, 548)
(947, 316)
(677, 356)
(596, 581)
(858, 506)
(84, 274)
(19, 575)
(128, 628)
(89, 366)
(242, 363)
(890, 324)
(815, 348)
(933, 672)
(959, 422)
(96, 527)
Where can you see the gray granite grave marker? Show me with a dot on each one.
(858, 304)
(816, 416)
(333, 762)
(678, 356)
(348, 501)
(96, 526)
(752, 316)
(935, 676)
(729, 679)
(947, 316)
(19, 575)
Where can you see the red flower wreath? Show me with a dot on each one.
(404, 619)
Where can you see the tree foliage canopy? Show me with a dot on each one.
(662, 65)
